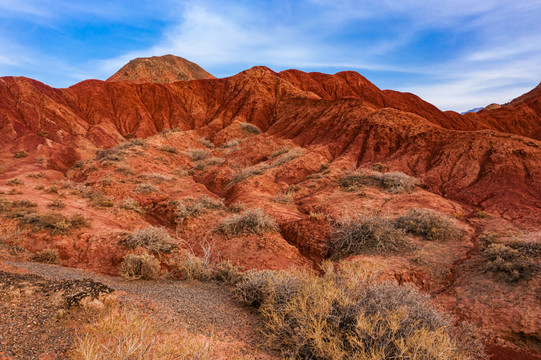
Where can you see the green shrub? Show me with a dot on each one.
(191, 207)
(253, 221)
(145, 267)
(328, 317)
(46, 256)
(250, 128)
(154, 239)
(366, 234)
(429, 224)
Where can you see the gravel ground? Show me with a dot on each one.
(201, 308)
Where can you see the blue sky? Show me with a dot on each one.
(456, 54)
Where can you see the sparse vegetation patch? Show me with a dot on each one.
(191, 207)
(429, 224)
(250, 128)
(154, 239)
(253, 221)
(135, 267)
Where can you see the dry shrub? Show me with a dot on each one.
(380, 167)
(78, 221)
(56, 203)
(227, 273)
(250, 128)
(366, 234)
(192, 267)
(110, 155)
(393, 182)
(515, 261)
(145, 267)
(20, 154)
(231, 143)
(248, 172)
(191, 207)
(279, 152)
(169, 149)
(309, 317)
(14, 181)
(206, 142)
(253, 221)
(46, 256)
(212, 161)
(429, 224)
(131, 205)
(196, 154)
(154, 239)
(283, 199)
(128, 334)
(79, 164)
(287, 157)
(144, 188)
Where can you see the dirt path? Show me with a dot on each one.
(201, 308)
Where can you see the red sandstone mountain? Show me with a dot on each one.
(160, 69)
(484, 163)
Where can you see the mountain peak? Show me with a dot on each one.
(160, 69)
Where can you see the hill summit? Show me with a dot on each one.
(160, 69)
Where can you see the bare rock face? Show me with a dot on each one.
(159, 69)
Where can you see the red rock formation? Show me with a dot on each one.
(160, 69)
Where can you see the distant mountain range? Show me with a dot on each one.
(474, 110)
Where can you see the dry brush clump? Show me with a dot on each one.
(248, 172)
(144, 267)
(514, 261)
(196, 154)
(250, 128)
(191, 207)
(123, 334)
(252, 221)
(131, 205)
(206, 142)
(169, 149)
(211, 161)
(144, 189)
(365, 235)
(393, 182)
(46, 256)
(429, 224)
(154, 239)
(328, 317)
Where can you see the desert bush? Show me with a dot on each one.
(206, 142)
(55, 223)
(231, 143)
(78, 221)
(56, 203)
(283, 199)
(14, 182)
(196, 154)
(429, 224)
(227, 273)
(110, 155)
(253, 221)
(212, 161)
(279, 152)
(20, 154)
(79, 164)
(98, 199)
(366, 234)
(154, 239)
(380, 167)
(310, 317)
(131, 205)
(287, 157)
(46, 256)
(36, 175)
(169, 149)
(128, 334)
(397, 182)
(156, 178)
(250, 128)
(191, 207)
(144, 188)
(248, 172)
(145, 267)
(512, 261)
(194, 268)
(393, 182)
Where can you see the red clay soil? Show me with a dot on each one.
(483, 170)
